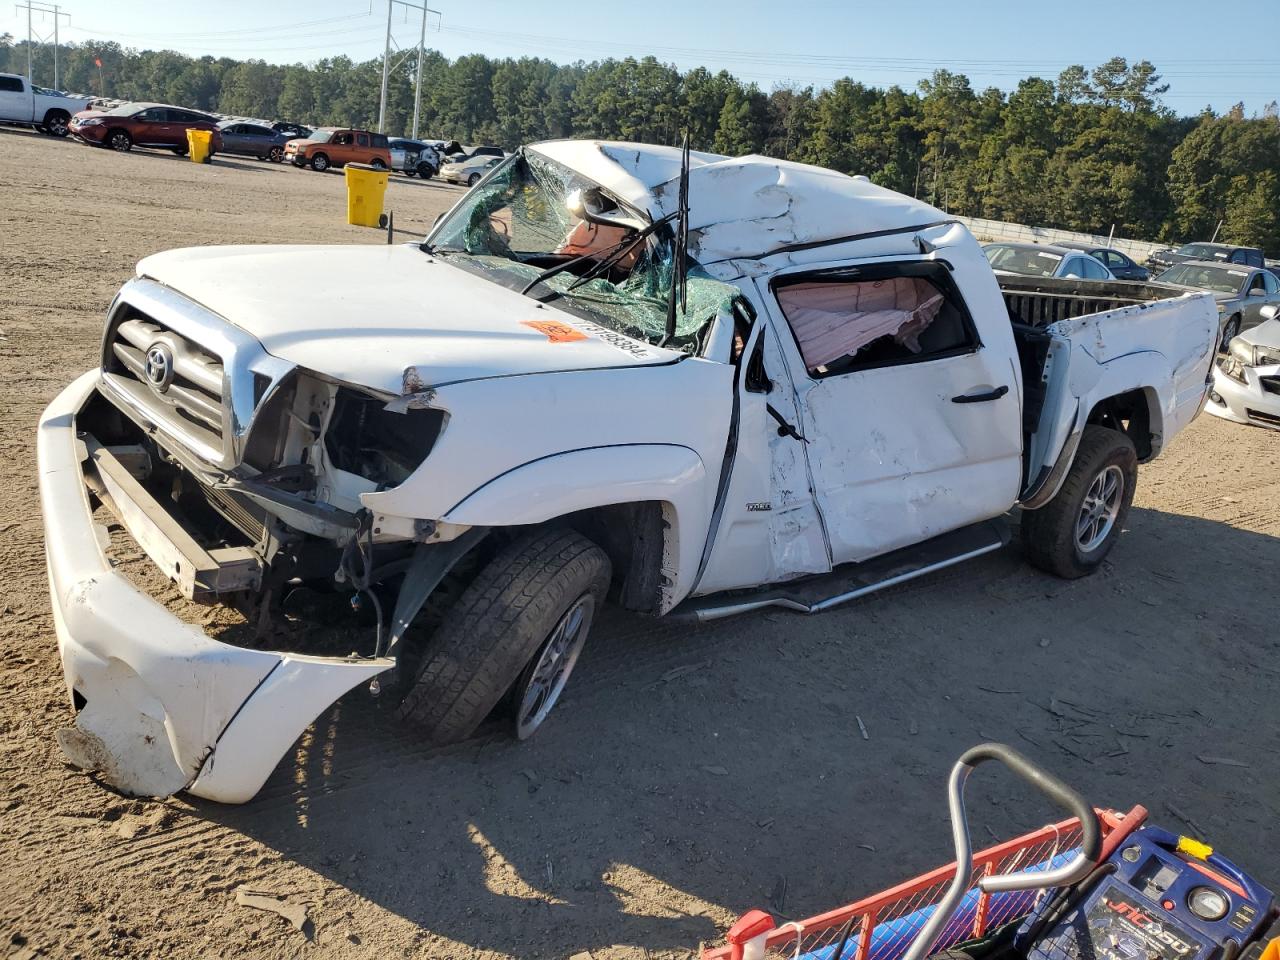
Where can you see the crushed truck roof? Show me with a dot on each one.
(748, 206)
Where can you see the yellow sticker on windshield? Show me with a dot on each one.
(556, 332)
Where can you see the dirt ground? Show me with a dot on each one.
(690, 773)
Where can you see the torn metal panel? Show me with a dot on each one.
(742, 207)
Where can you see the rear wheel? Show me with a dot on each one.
(377, 164)
(180, 151)
(275, 154)
(1072, 534)
(119, 140)
(517, 627)
(56, 123)
(320, 162)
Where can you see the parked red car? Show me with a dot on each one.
(143, 125)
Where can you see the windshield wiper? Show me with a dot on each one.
(611, 255)
(679, 259)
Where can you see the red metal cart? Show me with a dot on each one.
(887, 925)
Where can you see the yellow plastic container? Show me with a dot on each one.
(198, 145)
(366, 187)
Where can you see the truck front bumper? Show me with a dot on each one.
(160, 705)
(1248, 402)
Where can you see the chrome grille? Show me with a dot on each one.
(181, 370)
(173, 379)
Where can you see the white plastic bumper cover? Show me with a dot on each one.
(165, 707)
(1246, 402)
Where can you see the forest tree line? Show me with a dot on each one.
(1087, 150)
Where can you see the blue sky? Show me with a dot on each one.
(1208, 60)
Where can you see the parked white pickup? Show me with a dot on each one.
(511, 421)
(26, 105)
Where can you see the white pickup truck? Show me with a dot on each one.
(790, 389)
(25, 105)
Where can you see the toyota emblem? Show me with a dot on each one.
(159, 367)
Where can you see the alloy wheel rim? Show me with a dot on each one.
(118, 142)
(555, 662)
(1100, 508)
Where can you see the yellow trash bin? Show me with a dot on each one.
(198, 144)
(366, 187)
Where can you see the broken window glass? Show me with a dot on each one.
(842, 325)
(516, 224)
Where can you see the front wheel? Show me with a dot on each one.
(426, 171)
(473, 180)
(518, 626)
(320, 163)
(120, 141)
(1229, 333)
(180, 151)
(1072, 534)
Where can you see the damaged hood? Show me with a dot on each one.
(1266, 334)
(383, 316)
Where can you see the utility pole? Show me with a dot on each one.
(32, 6)
(386, 63)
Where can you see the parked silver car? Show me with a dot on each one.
(414, 158)
(1042, 260)
(1241, 291)
(1246, 384)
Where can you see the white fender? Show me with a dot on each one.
(599, 476)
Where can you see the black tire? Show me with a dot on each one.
(1051, 536)
(320, 162)
(377, 164)
(181, 151)
(56, 123)
(410, 173)
(275, 154)
(1229, 332)
(500, 622)
(118, 140)
(473, 180)
(425, 170)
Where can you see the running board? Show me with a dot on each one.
(852, 581)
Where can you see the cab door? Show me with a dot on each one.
(341, 147)
(152, 128)
(909, 403)
(15, 99)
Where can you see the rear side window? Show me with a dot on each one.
(1094, 270)
(255, 131)
(11, 85)
(905, 313)
(380, 140)
(362, 139)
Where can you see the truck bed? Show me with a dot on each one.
(1038, 302)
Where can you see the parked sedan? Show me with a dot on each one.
(253, 140)
(470, 171)
(1246, 384)
(1041, 260)
(1120, 265)
(143, 125)
(1241, 292)
(1212, 252)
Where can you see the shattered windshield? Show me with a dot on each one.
(517, 224)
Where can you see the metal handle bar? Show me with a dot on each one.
(1051, 787)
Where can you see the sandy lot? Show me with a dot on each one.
(689, 774)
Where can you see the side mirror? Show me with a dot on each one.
(594, 207)
(1270, 311)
